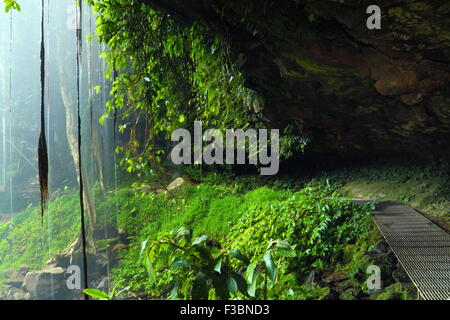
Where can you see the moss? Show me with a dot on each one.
(310, 66)
(397, 291)
(29, 240)
(420, 194)
(350, 294)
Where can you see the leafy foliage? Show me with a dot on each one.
(101, 295)
(11, 4)
(313, 224)
(26, 240)
(309, 219)
(209, 267)
(165, 76)
(235, 218)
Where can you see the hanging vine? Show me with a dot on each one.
(164, 77)
(82, 213)
(42, 147)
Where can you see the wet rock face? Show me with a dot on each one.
(355, 91)
(45, 284)
(15, 279)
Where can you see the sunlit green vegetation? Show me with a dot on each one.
(423, 185)
(167, 75)
(245, 237)
(236, 214)
(29, 239)
(222, 214)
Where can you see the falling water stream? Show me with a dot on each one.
(84, 157)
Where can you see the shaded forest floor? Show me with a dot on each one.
(425, 186)
(218, 202)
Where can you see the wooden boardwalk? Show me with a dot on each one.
(421, 247)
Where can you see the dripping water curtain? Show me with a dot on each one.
(42, 146)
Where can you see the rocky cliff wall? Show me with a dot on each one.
(354, 91)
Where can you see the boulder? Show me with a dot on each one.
(350, 294)
(311, 279)
(381, 248)
(16, 280)
(60, 259)
(7, 273)
(45, 284)
(23, 269)
(17, 294)
(178, 183)
(3, 294)
(334, 277)
(65, 259)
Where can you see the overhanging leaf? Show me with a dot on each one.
(237, 254)
(143, 246)
(232, 285)
(240, 281)
(200, 240)
(218, 265)
(179, 263)
(175, 289)
(150, 270)
(97, 294)
(200, 287)
(221, 286)
(270, 267)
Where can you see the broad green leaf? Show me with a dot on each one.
(205, 254)
(237, 254)
(97, 89)
(270, 267)
(143, 246)
(175, 289)
(250, 271)
(218, 265)
(200, 287)
(97, 294)
(232, 285)
(241, 283)
(211, 95)
(252, 276)
(184, 232)
(200, 240)
(150, 269)
(179, 263)
(251, 290)
(221, 286)
(282, 245)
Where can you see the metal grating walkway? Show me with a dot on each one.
(422, 248)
